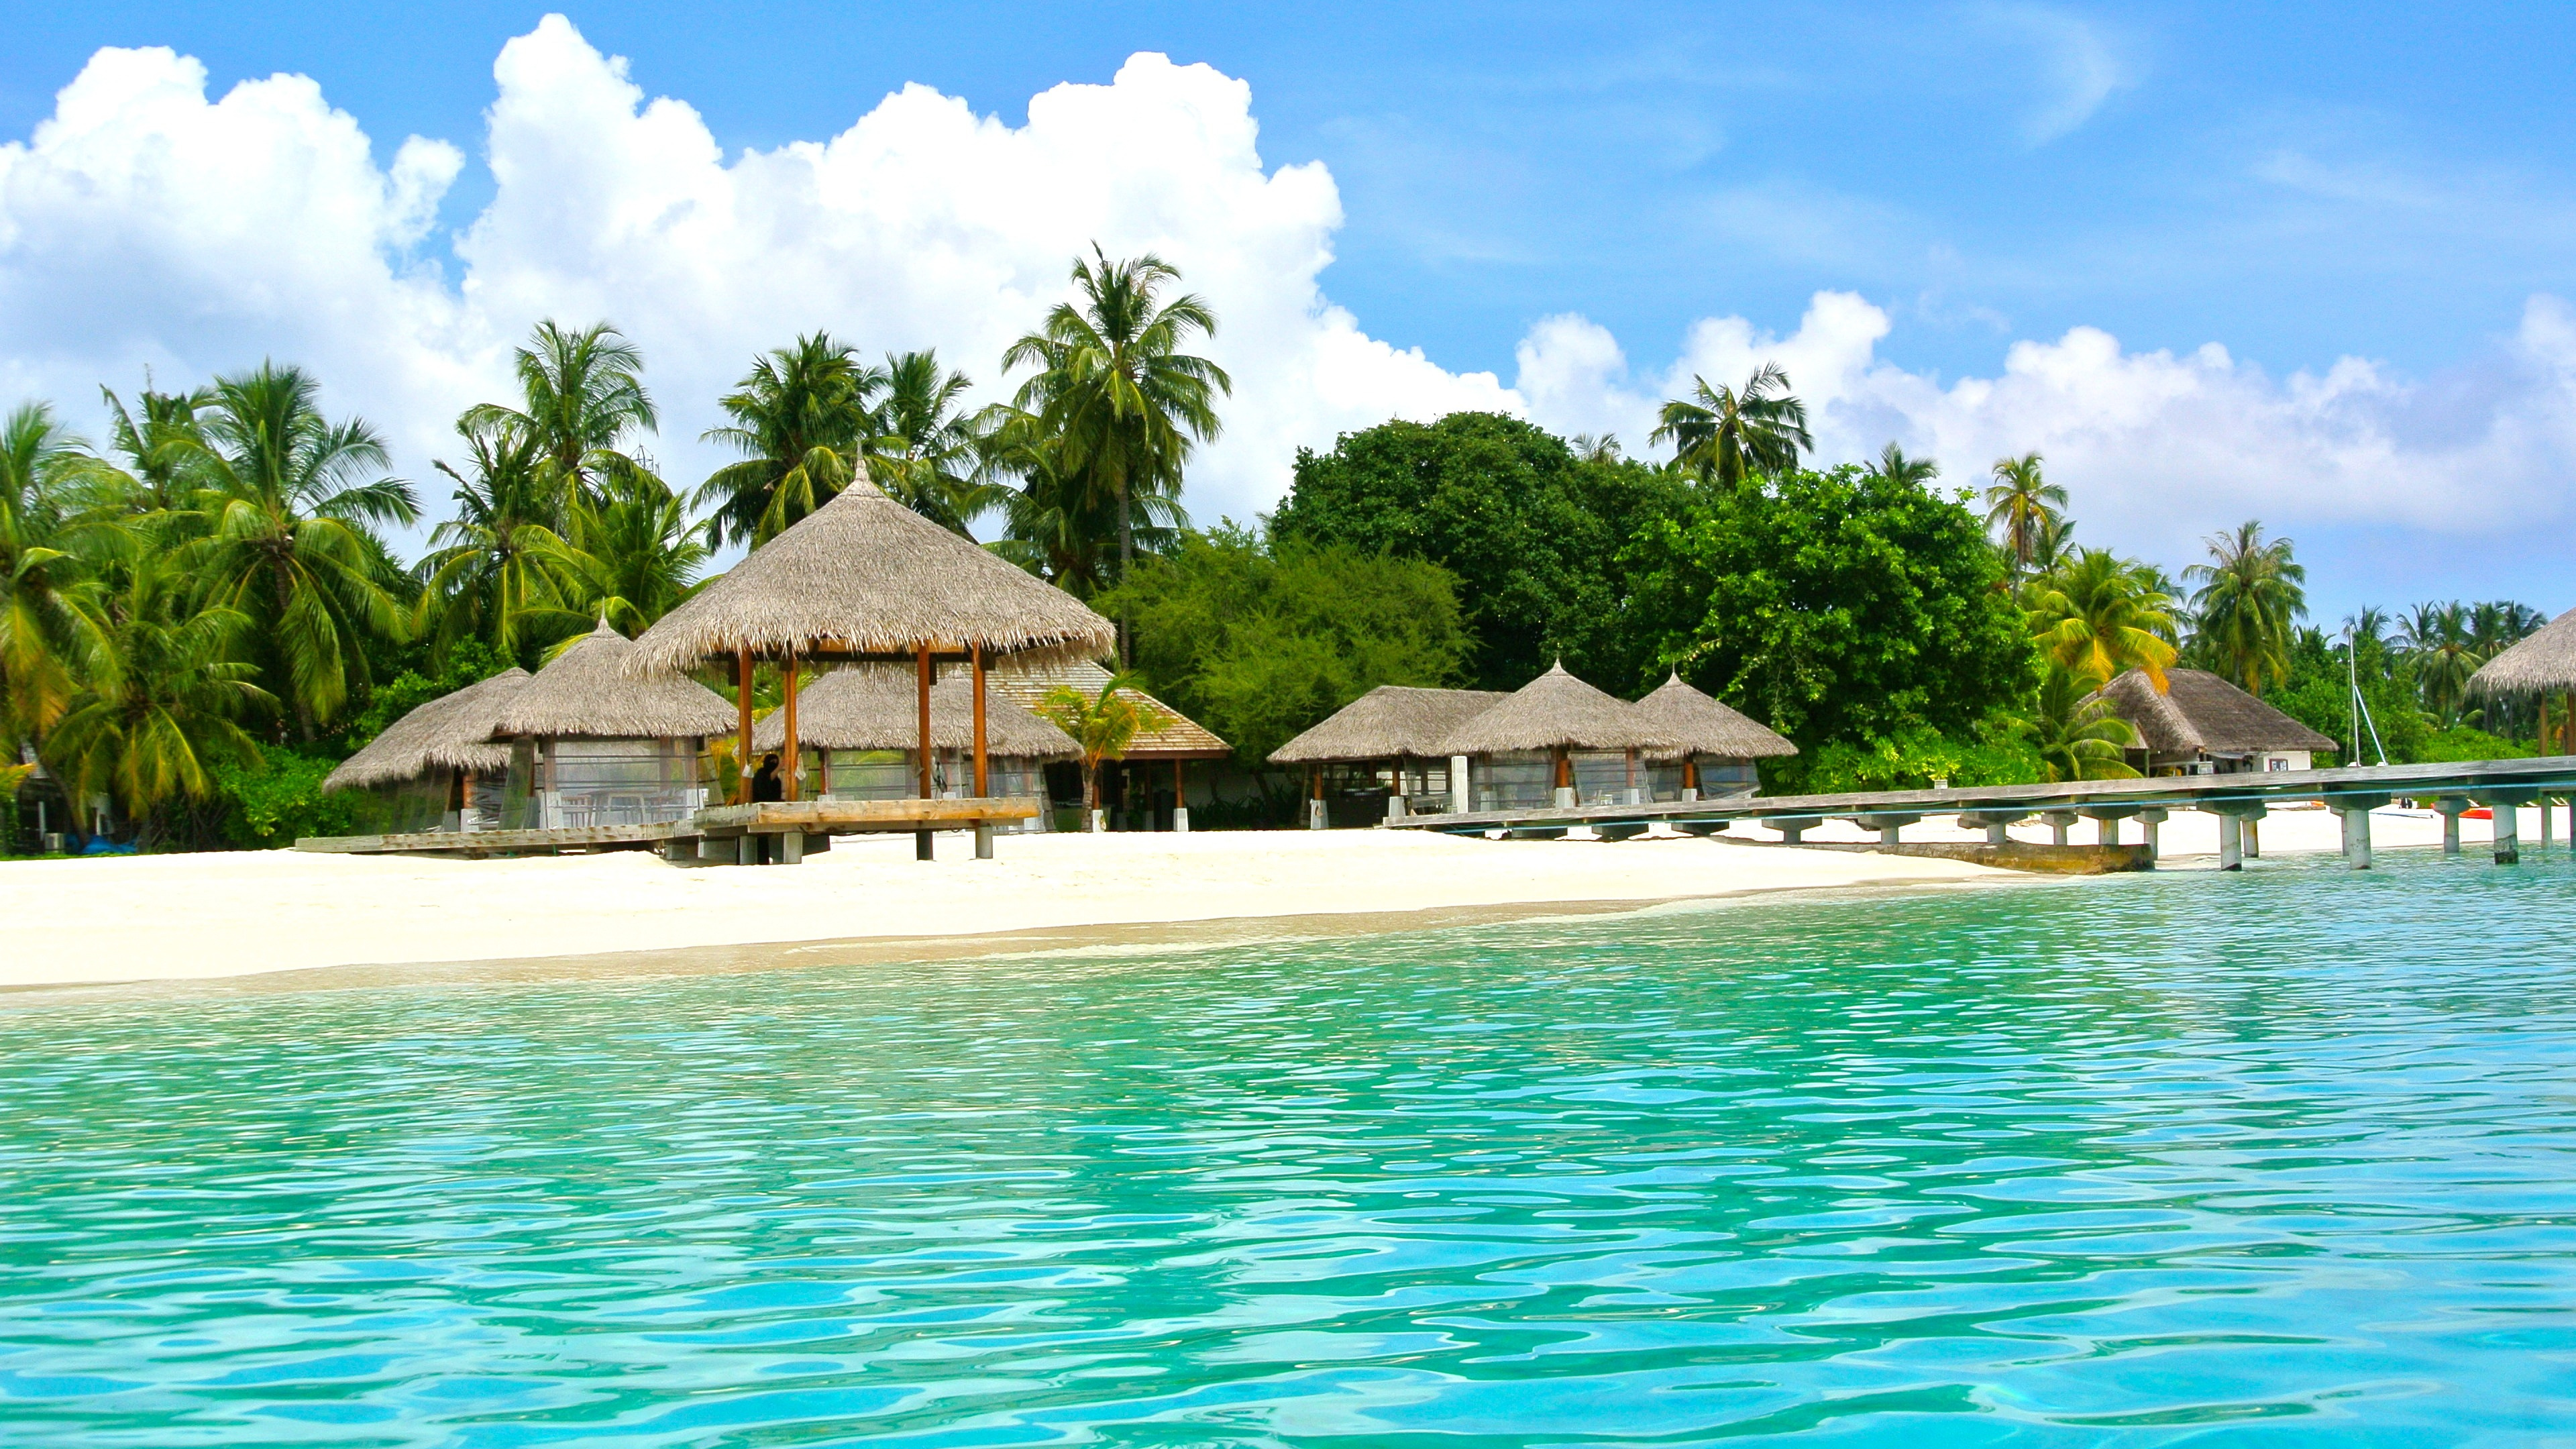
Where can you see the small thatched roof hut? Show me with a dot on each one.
(865, 577)
(451, 732)
(1172, 735)
(2542, 664)
(1390, 722)
(871, 707)
(1557, 712)
(2201, 716)
(1700, 725)
(590, 692)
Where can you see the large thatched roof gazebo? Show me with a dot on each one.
(865, 580)
(2542, 664)
(1396, 723)
(2200, 724)
(1556, 714)
(599, 744)
(427, 764)
(1707, 731)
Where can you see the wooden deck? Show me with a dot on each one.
(813, 819)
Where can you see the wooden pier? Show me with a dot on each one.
(2237, 800)
(776, 832)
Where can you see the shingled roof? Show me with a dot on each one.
(2204, 714)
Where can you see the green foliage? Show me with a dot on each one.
(1993, 753)
(2318, 694)
(469, 662)
(1533, 534)
(1837, 607)
(1260, 638)
(2462, 743)
(276, 797)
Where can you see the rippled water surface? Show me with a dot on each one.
(2281, 1158)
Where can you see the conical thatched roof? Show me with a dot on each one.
(865, 574)
(1388, 721)
(2543, 663)
(868, 707)
(1703, 726)
(1557, 711)
(588, 692)
(2201, 713)
(451, 732)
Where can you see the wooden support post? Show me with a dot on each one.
(742, 739)
(1631, 797)
(792, 756)
(1462, 781)
(1315, 797)
(921, 695)
(1395, 788)
(1565, 794)
(1690, 777)
(1180, 799)
(983, 762)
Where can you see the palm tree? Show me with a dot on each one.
(1114, 385)
(286, 525)
(2249, 596)
(155, 480)
(801, 419)
(630, 556)
(582, 394)
(2445, 654)
(50, 624)
(2101, 616)
(2368, 629)
(2080, 736)
(1595, 448)
(1894, 467)
(2023, 505)
(1056, 524)
(926, 454)
(490, 569)
(1723, 434)
(168, 704)
(1103, 725)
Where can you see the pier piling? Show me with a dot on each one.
(2231, 843)
(2450, 808)
(2059, 822)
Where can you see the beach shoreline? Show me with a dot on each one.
(320, 921)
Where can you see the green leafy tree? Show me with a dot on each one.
(1113, 384)
(1837, 606)
(285, 525)
(582, 396)
(166, 703)
(2101, 615)
(1533, 534)
(2026, 512)
(50, 617)
(1724, 434)
(801, 420)
(927, 454)
(1103, 725)
(1260, 638)
(2250, 600)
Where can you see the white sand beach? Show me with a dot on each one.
(183, 917)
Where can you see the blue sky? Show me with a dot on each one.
(2297, 186)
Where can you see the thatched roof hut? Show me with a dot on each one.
(591, 691)
(2543, 663)
(1172, 736)
(2202, 716)
(1700, 725)
(865, 577)
(875, 707)
(451, 732)
(1556, 712)
(1392, 721)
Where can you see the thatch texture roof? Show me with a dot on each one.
(1703, 726)
(2204, 714)
(877, 707)
(865, 574)
(451, 732)
(589, 692)
(1177, 737)
(1388, 721)
(1558, 711)
(2544, 662)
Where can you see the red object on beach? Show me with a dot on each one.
(2480, 813)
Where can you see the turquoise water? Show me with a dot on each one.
(2282, 1158)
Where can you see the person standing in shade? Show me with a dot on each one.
(765, 784)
